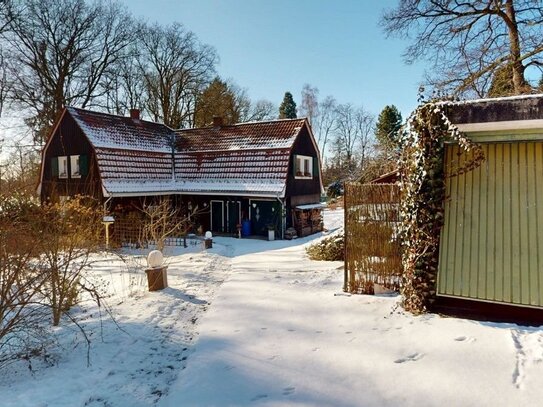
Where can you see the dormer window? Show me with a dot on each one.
(75, 168)
(63, 167)
(303, 167)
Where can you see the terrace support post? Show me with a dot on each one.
(345, 234)
(283, 217)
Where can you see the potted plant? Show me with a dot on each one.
(271, 231)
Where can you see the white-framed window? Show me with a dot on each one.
(304, 167)
(75, 169)
(63, 167)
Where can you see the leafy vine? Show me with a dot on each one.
(423, 193)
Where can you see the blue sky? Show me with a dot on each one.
(271, 46)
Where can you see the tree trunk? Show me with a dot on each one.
(519, 81)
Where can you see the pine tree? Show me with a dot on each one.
(287, 110)
(387, 127)
(218, 99)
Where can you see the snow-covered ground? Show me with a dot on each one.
(252, 322)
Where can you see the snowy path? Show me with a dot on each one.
(253, 322)
(280, 333)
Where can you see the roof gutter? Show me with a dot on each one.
(506, 125)
(230, 193)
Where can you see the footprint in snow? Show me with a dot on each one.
(464, 339)
(410, 358)
(315, 349)
(292, 330)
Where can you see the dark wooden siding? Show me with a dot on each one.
(308, 190)
(69, 140)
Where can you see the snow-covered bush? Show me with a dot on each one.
(331, 248)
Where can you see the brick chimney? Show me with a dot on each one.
(135, 114)
(217, 121)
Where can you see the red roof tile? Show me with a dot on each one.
(110, 131)
(253, 135)
(136, 156)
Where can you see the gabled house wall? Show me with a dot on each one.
(68, 140)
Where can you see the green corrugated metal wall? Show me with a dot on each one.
(492, 240)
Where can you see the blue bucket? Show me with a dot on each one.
(246, 228)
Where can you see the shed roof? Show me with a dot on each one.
(512, 108)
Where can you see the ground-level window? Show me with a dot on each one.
(304, 167)
(75, 169)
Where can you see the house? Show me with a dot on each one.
(260, 174)
(491, 245)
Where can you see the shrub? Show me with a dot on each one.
(331, 248)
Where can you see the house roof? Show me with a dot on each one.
(110, 131)
(251, 135)
(233, 171)
(237, 159)
(135, 156)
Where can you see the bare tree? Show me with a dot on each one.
(176, 67)
(62, 51)
(352, 137)
(126, 86)
(260, 110)
(68, 233)
(164, 220)
(310, 103)
(325, 123)
(21, 281)
(467, 42)
(5, 81)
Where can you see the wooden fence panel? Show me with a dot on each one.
(372, 245)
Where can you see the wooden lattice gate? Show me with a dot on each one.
(372, 245)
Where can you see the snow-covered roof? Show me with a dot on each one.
(135, 157)
(232, 186)
(522, 108)
(110, 131)
(242, 136)
(248, 165)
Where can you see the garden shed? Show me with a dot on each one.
(491, 243)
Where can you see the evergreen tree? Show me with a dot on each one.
(218, 99)
(387, 127)
(287, 110)
(501, 82)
